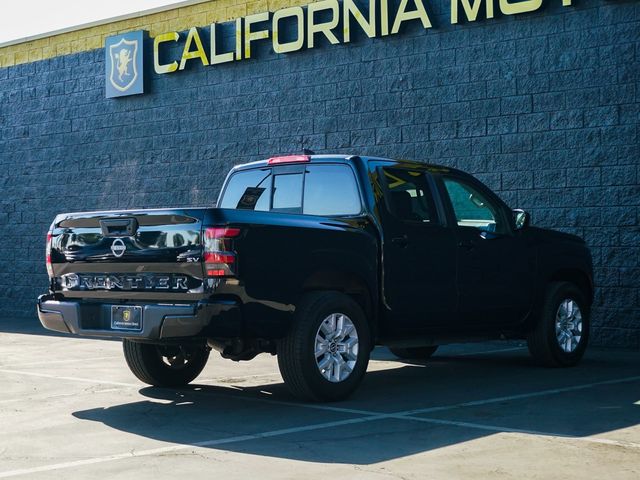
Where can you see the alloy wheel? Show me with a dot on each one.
(336, 347)
(568, 325)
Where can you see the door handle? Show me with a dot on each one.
(467, 244)
(402, 241)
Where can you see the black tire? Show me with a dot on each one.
(543, 343)
(414, 353)
(296, 352)
(150, 362)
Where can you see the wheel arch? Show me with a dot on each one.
(578, 278)
(351, 284)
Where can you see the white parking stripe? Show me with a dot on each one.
(49, 396)
(498, 429)
(520, 396)
(306, 428)
(314, 406)
(173, 448)
(94, 381)
(368, 416)
(79, 361)
(357, 411)
(419, 411)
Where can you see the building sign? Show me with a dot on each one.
(124, 70)
(288, 30)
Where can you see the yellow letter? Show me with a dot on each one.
(249, 36)
(187, 54)
(519, 7)
(215, 56)
(350, 8)
(403, 15)
(384, 18)
(294, 44)
(471, 11)
(326, 27)
(165, 37)
(239, 38)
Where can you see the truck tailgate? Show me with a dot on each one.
(135, 254)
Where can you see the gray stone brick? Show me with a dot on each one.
(543, 107)
(521, 142)
(514, 105)
(504, 124)
(533, 122)
(566, 119)
(441, 131)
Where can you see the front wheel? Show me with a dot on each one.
(561, 335)
(326, 353)
(165, 365)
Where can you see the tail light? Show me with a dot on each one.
(48, 255)
(219, 257)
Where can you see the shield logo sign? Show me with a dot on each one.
(123, 67)
(123, 64)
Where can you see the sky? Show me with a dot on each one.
(25, 18)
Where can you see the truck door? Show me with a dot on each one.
(419, 253)
(495, 273)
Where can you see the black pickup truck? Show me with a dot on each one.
(317, 259)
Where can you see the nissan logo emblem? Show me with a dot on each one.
(118, 247)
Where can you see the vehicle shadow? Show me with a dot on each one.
(32, 326)
(25, 326)
(265, 420)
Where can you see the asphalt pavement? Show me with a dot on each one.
(70, 408)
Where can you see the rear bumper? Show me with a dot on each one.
(159, 321)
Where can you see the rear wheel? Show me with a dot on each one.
(326, 353)
(560, 338)
(414, 353)
(165, 365)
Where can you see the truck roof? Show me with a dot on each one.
(342, 158)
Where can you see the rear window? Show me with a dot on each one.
(248, 190)
(287, 193)
(315, 190)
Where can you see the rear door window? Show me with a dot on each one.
(409, 196)
(330, 190)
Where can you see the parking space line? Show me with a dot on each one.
(81, 361)
(538, 393)
(48, 396)
(502, 429)
(366, 416)
(486, 401)
(285, 403)
(73, 379)
(174, 448)
(351, 410)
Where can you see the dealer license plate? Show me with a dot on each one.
(126, 318)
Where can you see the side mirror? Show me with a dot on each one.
(521, 219)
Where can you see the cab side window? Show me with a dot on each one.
(472, 208)
(409, 196)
